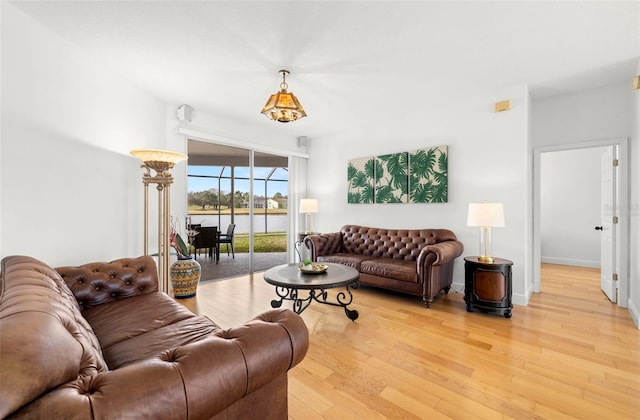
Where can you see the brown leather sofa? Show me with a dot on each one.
(414, 261)
(100, 341)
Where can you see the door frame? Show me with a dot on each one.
(608, 228)
(622, 239)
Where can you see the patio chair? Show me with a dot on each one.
(207, 238)
(227, 239)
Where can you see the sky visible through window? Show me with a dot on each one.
(197, 183)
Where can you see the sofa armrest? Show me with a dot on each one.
(324, 244)
(256, 353)
(444, 252)
(197, 380)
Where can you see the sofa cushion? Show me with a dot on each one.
(154, 343)
(159, 323)
(352, 260)
(391, 268)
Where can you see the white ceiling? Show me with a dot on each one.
(350, 61)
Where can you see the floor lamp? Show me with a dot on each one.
(161, 162)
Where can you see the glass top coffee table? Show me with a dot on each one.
(289, 279)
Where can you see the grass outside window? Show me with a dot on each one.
(269, 242)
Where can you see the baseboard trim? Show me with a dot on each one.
(521, 300)
(634, 312)
(570, 261)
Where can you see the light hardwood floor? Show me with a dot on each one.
(569, 354)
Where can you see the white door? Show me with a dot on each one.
(607, 226)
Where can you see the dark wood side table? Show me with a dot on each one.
(487, 286)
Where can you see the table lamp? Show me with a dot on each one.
(486, 216)
(308, 206)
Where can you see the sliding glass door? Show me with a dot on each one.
(244, 194)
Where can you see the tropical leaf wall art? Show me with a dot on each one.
(428, 175)
(418, 176)
(360, 176)
(391, 178)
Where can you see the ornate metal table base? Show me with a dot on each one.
(289, 280)
(343, 299)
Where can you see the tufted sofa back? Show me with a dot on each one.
(404, 244)
(97, 283)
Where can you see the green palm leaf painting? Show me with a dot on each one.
(419, 176)
(392, 184)
(360, 176)
(428, 177)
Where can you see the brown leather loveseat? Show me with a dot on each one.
(414, 261)
(101, 342)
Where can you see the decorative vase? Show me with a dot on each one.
(185, 275)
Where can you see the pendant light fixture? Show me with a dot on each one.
(283, 106)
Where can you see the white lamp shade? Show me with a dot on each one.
(485, 215)
(308, 205)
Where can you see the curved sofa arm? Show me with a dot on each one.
(197, 380)
(324, 244)
(259, 352)
(444, 252)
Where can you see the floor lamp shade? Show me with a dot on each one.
(308, 206)
(485, 216)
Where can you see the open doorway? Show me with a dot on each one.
(244, 194)
(570, 207)
(566, 217)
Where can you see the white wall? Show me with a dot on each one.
(595, 114)
(70, 193)
(487, 161)
(68, 124)
(570, 207)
